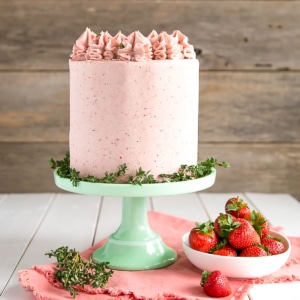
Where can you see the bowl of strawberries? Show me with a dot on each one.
(239, 243)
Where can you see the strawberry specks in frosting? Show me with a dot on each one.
(134, 47)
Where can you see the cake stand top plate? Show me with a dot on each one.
(131, 190)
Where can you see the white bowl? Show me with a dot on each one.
(238, 267)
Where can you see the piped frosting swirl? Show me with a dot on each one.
(134, 47)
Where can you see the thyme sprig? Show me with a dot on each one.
(141, 177)
(65, 171)
(73, 272)
(112, 177)
(201, 169)
(185, 172)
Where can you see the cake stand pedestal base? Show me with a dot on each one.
(134, 245)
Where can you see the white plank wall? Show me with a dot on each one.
(32, 224)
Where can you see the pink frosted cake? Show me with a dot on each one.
(133, 100)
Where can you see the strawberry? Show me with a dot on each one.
(215, 284)
(243, 236)
(237, 207)
(254, 250)
(274, 245)
(224, 224)
(224, 249)
(202, 237)
(259, 222)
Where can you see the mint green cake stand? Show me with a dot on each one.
(134, 245)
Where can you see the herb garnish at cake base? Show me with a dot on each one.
(184, 173)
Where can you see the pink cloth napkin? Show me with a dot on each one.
(180, 280)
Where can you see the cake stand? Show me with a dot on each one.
(134, 245)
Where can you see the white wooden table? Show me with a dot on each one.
(32, 224)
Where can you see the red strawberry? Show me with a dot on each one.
(202, 237)
(259, 222)
(237, 207)
(243, 236)
(224, 249)
(224, 224)
(274, 245)
(254, 250)
(215, 284)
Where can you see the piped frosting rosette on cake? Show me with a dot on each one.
(134, 47)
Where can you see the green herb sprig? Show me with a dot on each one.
(74, 272)
(201, 169)
(112, 177)
(141, 177)
(185, 172)
(64, 170)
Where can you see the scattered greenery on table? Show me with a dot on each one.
(73, 272)
(185, 172)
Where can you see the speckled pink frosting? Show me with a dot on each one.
(140, 112)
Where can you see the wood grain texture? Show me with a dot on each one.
(262, 167)
(34, 107)
(25, 168)
(230, 34)
(249, 107)
(234, 107)
(249, 84)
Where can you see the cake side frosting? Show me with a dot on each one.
(143, 113)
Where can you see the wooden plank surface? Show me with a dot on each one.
(234, 107)
(24, 166)
(230, 34)
(185, 206)
(249, 107)
(249, 84)
(71, 222)
(258, 167)
(286, 205)
(24, 214)
(34, 107)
